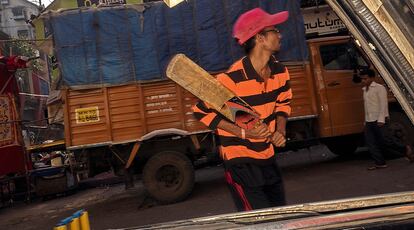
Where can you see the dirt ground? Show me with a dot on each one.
(309, 175)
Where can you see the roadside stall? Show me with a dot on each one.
(26, 169)
(53, 169)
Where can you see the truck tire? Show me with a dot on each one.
(168, 177)
(343, 145)
(398, 132)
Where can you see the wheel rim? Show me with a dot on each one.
(168, 176)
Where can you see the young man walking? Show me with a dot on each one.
(260, 80)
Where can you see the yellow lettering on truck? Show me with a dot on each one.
(87, 115)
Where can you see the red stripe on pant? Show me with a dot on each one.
(240, 192)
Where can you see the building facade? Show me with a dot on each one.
(14, 18)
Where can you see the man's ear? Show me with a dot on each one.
(259, 38)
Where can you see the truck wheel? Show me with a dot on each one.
(343, 145)
(398, 133)
(169, 177)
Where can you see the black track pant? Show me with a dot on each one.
(375, 141)
(255, 186)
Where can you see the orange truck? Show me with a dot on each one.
(151, 124)
(148, 127)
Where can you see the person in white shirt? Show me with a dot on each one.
(376, 112)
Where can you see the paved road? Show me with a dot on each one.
(310, 175)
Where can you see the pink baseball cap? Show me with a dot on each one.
(255, 20)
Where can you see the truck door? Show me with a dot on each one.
(338, 60)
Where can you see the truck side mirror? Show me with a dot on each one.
(353, 57)
(356, 78)
(356, 60)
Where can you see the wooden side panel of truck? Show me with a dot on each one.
(121, 114)
(304, 101)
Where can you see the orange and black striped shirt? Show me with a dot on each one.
(269, 100)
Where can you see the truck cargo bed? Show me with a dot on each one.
(121, 114)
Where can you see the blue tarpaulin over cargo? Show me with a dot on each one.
(121, 44)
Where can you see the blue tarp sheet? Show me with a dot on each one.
(117, 45)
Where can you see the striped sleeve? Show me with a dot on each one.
(282, 107)
(206, 115)
(227, 81)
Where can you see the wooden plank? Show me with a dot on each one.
(312, 90)
(125, 103)
(132, 155)
(87, 100)
(84, 92)
(126, 134)
(123, 110)
(126, 124)
(180, 106)
(157, 126)
(91, 132)
(303, 101)
(66, 119)
(95, 128)
(126, 117)
(166, 118)
(142, 110)
(84, 139)
(123, 88)
(161, 90)
(108, 115)
(127, 94)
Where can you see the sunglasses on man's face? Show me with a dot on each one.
(276, 30)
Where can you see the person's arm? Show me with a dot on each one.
(383, 104)
(206, 115)
(282, 112)
(278, 138)
(260, 131)
(214, 120)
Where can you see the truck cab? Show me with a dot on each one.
(334, 68)
(339, 118)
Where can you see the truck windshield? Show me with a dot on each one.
(341, 57)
